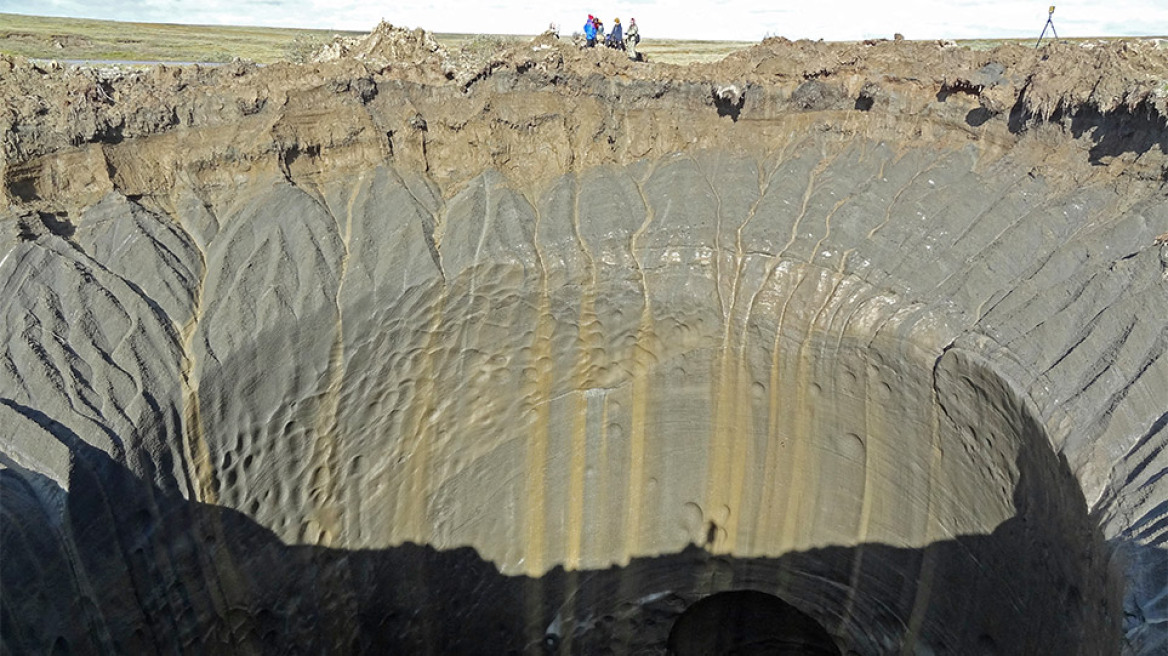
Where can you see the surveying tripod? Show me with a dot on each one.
(1050, 24)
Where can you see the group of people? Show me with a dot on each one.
(619, 38)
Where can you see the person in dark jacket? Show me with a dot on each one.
(616, 39)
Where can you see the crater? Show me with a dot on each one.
(821, 379)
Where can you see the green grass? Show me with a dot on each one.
(689, 52)
(41, 37)
(81, 39)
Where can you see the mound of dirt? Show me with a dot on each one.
(415, 55)
(1004, 94)
(388, 47)
(386, 44)
(49, 107)
(1105, 76)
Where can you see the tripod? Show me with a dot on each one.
(1050, 24)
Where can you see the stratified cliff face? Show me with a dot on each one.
(393, 353)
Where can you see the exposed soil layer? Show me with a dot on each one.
(545, 350)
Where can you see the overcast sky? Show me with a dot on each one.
(744, 20)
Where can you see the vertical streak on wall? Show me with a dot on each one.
(877, 427)
(798, 524)
(771, 454)
(536, 469)
(925, 578)
(643, 355)
(778, 453)
(733, 430)
(729, 443)
(223, 581)
(743, 437)
(602, 544)
(576, 465)
(202, 487)
(799, 428)
(764, 482)
(861, 538)
(198, 455)
(819, 425)
(637, 439)
(589, 342)
(721, 440)
(794, 428)
(408, 520)
(324, 468)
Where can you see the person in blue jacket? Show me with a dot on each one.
(590, 31)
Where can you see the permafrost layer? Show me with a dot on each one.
(535, 360)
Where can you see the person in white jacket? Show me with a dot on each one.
(632, 38)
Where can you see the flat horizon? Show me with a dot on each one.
(562, 32)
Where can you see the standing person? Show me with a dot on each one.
(590, 31)
(632, 38)
(599, 29)
(616, 39)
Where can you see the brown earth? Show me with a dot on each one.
(1072, 86)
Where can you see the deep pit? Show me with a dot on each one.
(748, 622)
(349, 359)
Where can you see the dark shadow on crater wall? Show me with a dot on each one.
(1137, 130)
(1123, 130)
(133, 569)
(1146, 599)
